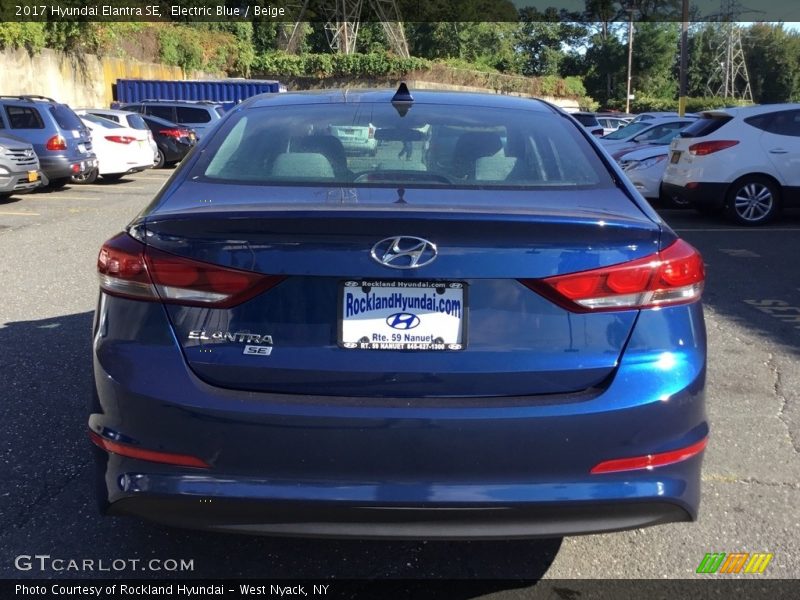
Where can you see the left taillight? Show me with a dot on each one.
(675, 275)
(131, 269)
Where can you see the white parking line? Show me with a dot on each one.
(20, 214)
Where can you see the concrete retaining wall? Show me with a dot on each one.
(78, 80)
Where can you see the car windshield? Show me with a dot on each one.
(372, 144)
(627, 131)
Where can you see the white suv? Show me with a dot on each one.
(745, 161)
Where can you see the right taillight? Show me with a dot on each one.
(174, 133)
(130, 269)
(705, 148)
(673, 276)
(56, 142)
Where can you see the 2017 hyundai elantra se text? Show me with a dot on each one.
(504, 342)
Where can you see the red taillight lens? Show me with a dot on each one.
(56, 143)
(649, 461)
(174, 133)
(705, 148)
(673, 276)
(120, 139)
(129, 268)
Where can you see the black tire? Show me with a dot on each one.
(160, 160)
(113, 176)
(57, 184)
(89, 177)
(753, 200)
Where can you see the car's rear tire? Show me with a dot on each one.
(753, 200)
(57, 184)
(160, 160)
(89, 177)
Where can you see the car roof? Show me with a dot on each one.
(746, 111)
(106, 111)
(358, 95)
(206, 103)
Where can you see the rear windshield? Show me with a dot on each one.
(136, 122)
(627, 131)
(107, 123)
(65, 118)
(371, 144)
(704, 126)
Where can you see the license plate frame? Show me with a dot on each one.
(451, 337)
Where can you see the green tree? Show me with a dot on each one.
(771, 54)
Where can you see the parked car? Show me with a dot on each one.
(120, 150)
(647, 116)
(201, 117)
(173, 141)
(356, 139)
(126, 119)
(517, 352)
(611, 124)
(627, 134)
(19, 166)
(590, 122)
(645, 168)
(744, 161)
(660, 133)
(58, 136)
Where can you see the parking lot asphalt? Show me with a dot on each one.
(751, 481)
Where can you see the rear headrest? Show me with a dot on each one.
(472, 146)
(302, 165)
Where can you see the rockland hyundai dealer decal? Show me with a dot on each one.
(402, 315)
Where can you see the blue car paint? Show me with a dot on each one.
(471, 429)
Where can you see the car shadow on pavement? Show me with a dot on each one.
(49, 506)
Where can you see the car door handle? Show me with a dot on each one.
(778, 151)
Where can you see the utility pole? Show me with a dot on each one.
(684, 83)
(630, 60)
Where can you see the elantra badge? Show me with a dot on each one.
(404, 252)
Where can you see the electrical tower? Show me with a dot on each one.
(342, 19)
(729, 78)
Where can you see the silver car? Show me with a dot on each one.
(19, 166)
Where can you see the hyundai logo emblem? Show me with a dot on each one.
(402, 321)
(404, 252)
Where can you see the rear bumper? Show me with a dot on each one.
(343, 520)
(58, 167)
(710, 195)
(408, 468)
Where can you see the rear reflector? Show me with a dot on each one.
(649, 461)
(181, 460)
(705, 148)
(130, 269)
(673, 276)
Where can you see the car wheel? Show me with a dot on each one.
(89, 177)
(160, 160)
(57, 184)
(113, 176)
(753, 201)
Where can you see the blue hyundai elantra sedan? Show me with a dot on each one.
(483, 331)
